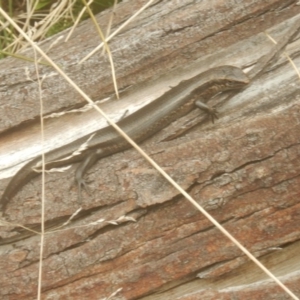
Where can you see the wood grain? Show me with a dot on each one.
(244, 168)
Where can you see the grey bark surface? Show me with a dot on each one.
(244, 168)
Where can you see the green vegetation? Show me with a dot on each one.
(41, 19)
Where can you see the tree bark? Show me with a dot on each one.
(243, 169)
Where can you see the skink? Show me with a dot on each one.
(142, 124)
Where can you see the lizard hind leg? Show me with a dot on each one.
(82, 168)
(81, 183)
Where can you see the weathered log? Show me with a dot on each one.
(244, 168)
